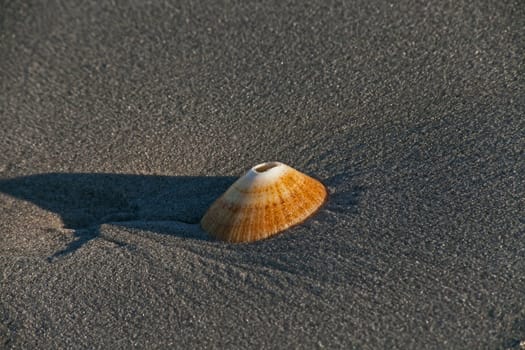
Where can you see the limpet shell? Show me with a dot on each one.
(268, 199)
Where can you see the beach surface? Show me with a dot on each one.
(121, 122)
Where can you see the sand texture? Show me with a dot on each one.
(121, 122)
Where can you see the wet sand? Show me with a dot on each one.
(121, 123)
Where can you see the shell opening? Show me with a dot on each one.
(265, 166)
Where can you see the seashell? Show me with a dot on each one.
(268, 199)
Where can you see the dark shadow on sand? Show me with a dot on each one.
(85, 201)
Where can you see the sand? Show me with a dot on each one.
(121, 122)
